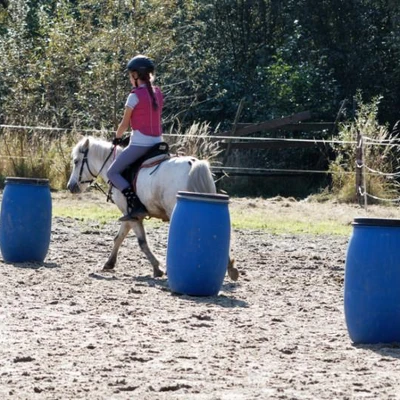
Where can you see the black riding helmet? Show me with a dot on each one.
(140, 64)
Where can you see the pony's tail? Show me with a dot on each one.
(200, 178)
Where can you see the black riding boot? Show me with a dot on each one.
(136, 209)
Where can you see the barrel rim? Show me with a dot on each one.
(213, 197)
(26, 181)
(366, 221)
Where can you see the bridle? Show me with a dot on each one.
(86, 162)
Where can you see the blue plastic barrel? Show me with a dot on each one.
(198, 244)
(372, 281)
(25, 225)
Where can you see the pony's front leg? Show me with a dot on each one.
(121, 235)
(140, 233)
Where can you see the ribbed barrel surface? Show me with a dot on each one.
(372, 281)
(25, 226)
(198, 243)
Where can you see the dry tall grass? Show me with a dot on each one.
(36, 154)
(195, 141)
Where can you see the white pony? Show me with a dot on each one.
(156, 186)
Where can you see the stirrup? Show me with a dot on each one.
(134, 214)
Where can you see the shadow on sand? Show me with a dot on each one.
(386, 350)
(33, 265)
(221, 299)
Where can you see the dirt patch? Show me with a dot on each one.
(70, 331)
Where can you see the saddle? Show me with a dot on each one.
(159, 149)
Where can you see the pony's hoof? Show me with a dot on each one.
(233, 274)
(108, 267)
(158, 273)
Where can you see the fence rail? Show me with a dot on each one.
(236, 171)
(228, 142)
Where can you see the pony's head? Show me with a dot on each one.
(84, 171)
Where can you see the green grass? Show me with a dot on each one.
(86, 212)
(278, 225)
(92, 212)
(257, 219)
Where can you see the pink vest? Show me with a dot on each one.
(144, 117)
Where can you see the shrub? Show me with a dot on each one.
(380, 155)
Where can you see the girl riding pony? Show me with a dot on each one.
(142, 113)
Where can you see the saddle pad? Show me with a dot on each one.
(160, 150)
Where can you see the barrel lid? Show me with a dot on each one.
(26, 181)
(212, 197)
(364, 221)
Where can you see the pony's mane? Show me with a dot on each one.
(98, 147)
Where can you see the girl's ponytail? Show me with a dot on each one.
(151, 93)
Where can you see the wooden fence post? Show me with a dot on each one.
(359, 161)
(364, 178)
(235, 123)
(361, 189)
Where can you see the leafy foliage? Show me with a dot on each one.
(63, 61)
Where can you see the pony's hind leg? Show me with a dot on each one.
(232, 271)
(140, 233)
(121, 235)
